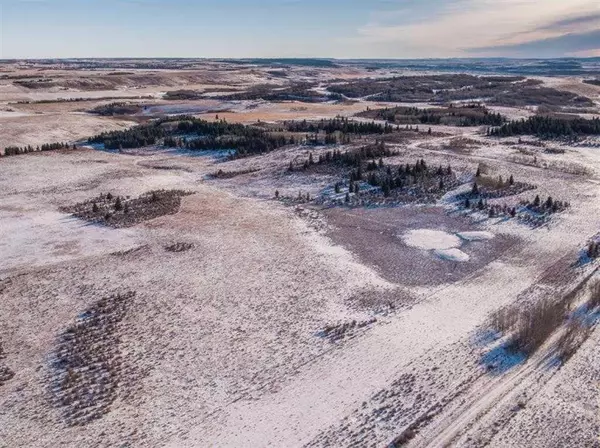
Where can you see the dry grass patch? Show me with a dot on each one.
(5, 373)
(87, 366)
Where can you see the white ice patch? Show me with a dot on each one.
(475, 236)
(452, 255)
(426, 239)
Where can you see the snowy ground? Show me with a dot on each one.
(225, 344)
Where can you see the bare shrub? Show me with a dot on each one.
(179, 247)
(536, 324)
(594, 300)
(505, 319)
(575, 334)
(529, 327)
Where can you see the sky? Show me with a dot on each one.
(299, 28)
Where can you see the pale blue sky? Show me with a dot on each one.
(299, 28)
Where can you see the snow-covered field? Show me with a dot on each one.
(227, 343)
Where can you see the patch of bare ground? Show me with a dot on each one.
(375, 237)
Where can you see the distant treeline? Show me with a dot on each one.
(16, 150)
(192, 133)
(295, 92)
(549, 127)
(469, 115)
(117, 108)
(340, 124)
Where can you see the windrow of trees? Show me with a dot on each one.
(340, 124)
(244, 145)
(16, 150)
(549, 127)
(469, 115)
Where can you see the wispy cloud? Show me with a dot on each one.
(564, 45)
(482, 27)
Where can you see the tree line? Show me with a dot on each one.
(339, 124)
(548, 127)
(16, 150)
(194, 134)
(469, 115)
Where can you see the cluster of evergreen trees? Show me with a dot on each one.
(192, 133)
(494, 210)
(339, 124)
(548, 206)
(549, 127)
(403, 176)
(469, 115)
(243, 145)
(355, 157)
(16, 150)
